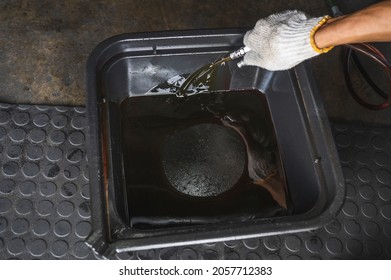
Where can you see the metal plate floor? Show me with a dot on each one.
(45, 210)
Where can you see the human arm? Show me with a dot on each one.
(372, 24)
(283, 40)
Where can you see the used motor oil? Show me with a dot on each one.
(123, 70)
(206, 158)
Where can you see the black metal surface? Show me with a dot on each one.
(45, 217)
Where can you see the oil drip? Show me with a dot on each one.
(206, 70)
(173, 85)
(211, 77)
(153, 173)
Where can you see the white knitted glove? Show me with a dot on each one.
(282, 40)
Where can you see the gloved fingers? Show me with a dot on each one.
(287, 16)
(254, 38)
(299, 15)
(256, 59)
(246, 40)
(266, 27)
(278, 18)
(280, 41)
(282, 16)
(252, 58)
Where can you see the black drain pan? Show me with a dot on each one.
(128, 65)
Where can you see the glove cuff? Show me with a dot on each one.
(312, 35)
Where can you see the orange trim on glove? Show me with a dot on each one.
(312, 35)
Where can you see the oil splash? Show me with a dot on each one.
(204, 71)
(205, 79)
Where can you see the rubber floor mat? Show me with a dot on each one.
(45, 210)
(44, 192)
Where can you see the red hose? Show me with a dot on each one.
(378, 57)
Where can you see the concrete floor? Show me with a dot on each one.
(44, 44)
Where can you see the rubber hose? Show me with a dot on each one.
(373, 53)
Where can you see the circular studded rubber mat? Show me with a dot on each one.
(45, 210)
(44, 192)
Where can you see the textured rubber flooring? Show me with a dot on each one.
(44, 196)
(44, 192)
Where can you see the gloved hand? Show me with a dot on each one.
(282, 40)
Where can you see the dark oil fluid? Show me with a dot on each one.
(203, 74)
(227, 135)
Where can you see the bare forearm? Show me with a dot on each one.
(372, 24)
